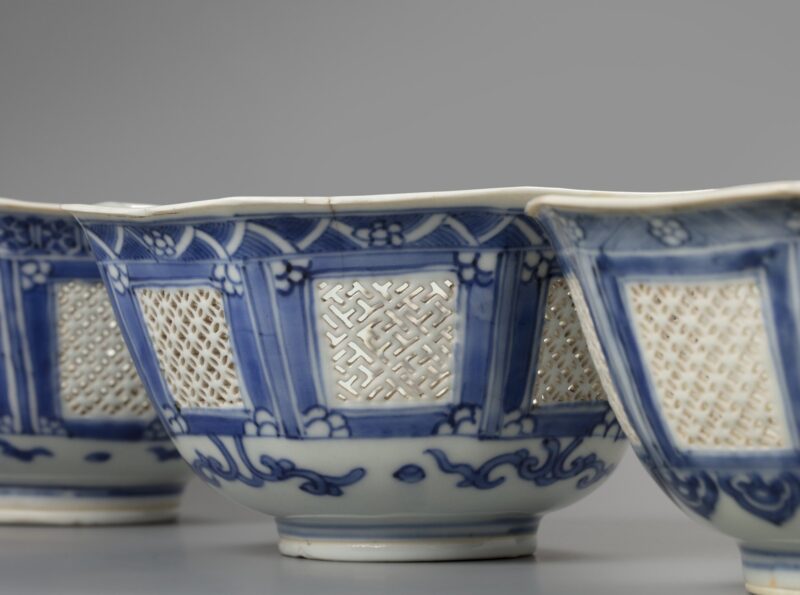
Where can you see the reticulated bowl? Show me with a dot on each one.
(79, 441)
(394, 378)
(694, 301)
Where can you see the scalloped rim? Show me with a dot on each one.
(649, 202)
(12, 205)
(504, 198)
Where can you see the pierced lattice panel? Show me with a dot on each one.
(565, 372)
(388, 341)
(190, 336)
(599, 360)
(97, 378)
(707, 351)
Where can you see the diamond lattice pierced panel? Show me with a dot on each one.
(599, 360)
(565, 372)
(706, 348)
(97, 378)
(190, 336)
(388, 341)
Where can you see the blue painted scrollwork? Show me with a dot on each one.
(22, 454)
(269, 470)
(557, 466)
(775, 500)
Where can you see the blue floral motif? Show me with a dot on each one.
(518, 423)
(155, 431)
(669, 232)
(775, 500)
(175, 422)
(34, 272)
(63, 236)
(262, 424)
(381, 233)
(321, 423)
(289, 273)
(609, 427)
(161, 243)
(463, 419)
(51, 427)
(228, 278)
(557, 466)
(409, 474)
(118, 277)
(7, 425)
(26, 455)
(476, 267)
(570, 226)
(270, 470)
(537, 263)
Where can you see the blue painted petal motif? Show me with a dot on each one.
(557, 466)
(97, 457)
(271, 470)
(409, 474)
(775, 500)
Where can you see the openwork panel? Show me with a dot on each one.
(564, 371)
(190, 335)
(388, 341)
(599, 360)
(97, 377)
(707, 352)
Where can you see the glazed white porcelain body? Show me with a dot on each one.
(693, 300)
(79, 441)
(394, 378)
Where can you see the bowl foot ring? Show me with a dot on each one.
(408, 541)
(771, 572)
(81, 505)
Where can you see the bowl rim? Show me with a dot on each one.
(660, 202)
(509, 198)
(32, 207)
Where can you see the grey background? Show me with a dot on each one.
(175, 100)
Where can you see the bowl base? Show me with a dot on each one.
(88, 505)
(407, 541)
(771, 572)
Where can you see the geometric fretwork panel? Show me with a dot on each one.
(388, 341)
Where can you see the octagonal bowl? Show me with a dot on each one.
(693, 299)
(394, 378)
(79, 441)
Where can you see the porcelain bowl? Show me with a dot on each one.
(79, 441)
(694, 301)
(394, 378)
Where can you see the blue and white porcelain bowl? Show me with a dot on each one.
(79, 441)
(694, 299)
(394, 378)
